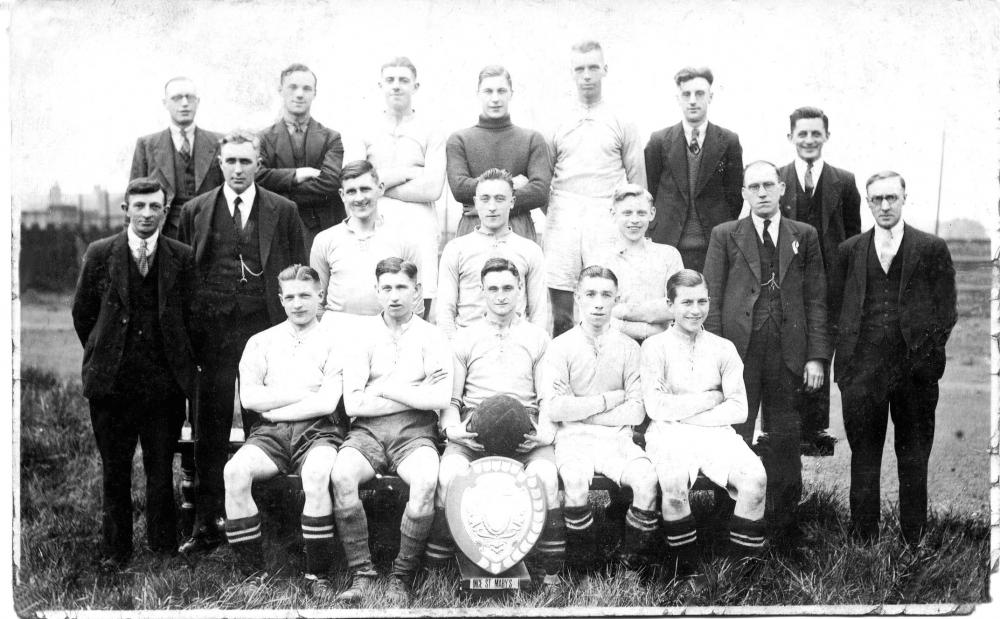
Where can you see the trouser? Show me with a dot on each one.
(694, 258)
(315, 219)
(880, 389)
(814, 408)
(154, 421)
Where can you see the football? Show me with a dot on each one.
(501, 422)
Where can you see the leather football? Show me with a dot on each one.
(501, 422)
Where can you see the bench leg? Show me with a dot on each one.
(185, 516)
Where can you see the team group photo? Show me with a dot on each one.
(446, 305)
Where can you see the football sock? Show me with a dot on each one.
(317, 533)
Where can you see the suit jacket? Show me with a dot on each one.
(926, 300)
(717, 193)
(101, 310)
(733, 274)
(281, 241)
(841, 204)
(154, 157)
(324, 150)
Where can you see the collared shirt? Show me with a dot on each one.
(593, 151)
(689, 128)
(248, 196)
(460, 300)
(407, 142)
(345, 259)
(800, 171)
(283, 356)
(291, 125)
(178, 140)
(134, 241)
(891, 238)
(758, 223)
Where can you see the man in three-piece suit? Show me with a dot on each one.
(242, 236)
(827, 199)
(768, 288)
(183, 158)
(694, 171)
(300, 158)
(894, 289)
(131, 312)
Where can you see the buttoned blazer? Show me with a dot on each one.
(717, 191)
(324, 151)
(733, 275)
(281, 240)
(926, 300)
(840, 202)
(101, 310)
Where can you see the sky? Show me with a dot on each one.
(87, 77)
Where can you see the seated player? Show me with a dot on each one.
(692, 383)
(591, 384)
(500, 355)
(292, 377)
(397, 374)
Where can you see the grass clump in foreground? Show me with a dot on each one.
(60, 529)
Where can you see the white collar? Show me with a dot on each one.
(178, 130)
(895, 233)
(249, 195)
(800, 170)
(134, 240)
(758, 223)
(688, 128)
(499, 235)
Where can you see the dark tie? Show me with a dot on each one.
(693, 146)
(185, 145)
(768, 241)
(298, 137)
(237, 216)
(142, 261)
(810, 185)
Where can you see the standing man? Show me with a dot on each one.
(183, 157)
(460, 289)
(695, 172)
(243, 236)
(396, 377)
(300, 158)
(897, 287)
(131, 312)
(593, 151)
(409, 155)
(827, 199)
(768, 289)
(495, 142)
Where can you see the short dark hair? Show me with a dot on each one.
(241, 136)
(494, 70)
(587, 45)
(689, 73)
(685, 278)
(356, 169)
(879, 176)
(400, 61)
(596, 270)
(143, 186)
(761, 162)
(807, 112)
(495, 174)
(295, 67)
(298, 272)
(499, 265)
(396, 265)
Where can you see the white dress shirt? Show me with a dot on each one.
(758, 223)
(800, 171)
(887, 243)
(248, 196)
(134, 241)
(689, 128)
(175, 135)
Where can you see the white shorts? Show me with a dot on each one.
(570, 219)
(419, 222)
(716, 451)
(608, 455)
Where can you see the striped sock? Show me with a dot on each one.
(352, 525)
(552, 542)
(682, 538)
(413, 534)
(641, 527)
(580, 542)
(317, 533)
(746, 537)
(440, 546)
(244, 538)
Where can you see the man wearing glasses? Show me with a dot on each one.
(183, 157)
(768, 289)
(894, 287)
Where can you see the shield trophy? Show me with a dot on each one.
(495, 512)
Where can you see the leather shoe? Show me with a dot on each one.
(203, 540)
(818, 444)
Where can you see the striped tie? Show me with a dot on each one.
(694, 147)
(185, 145)
(142, 261)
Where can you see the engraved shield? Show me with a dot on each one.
(496, 512)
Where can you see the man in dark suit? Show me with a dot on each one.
(183, 158)
(895, 292)
(131, 312)
(768, 288)
(243, 236)
(694, 171)
(827, 199)
(300, 158)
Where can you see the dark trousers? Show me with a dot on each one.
(155, 422)
(225, 340)
(814, 408)
(315, 219)
(774, 388)
(561, 302)
(882, 388)
(694, 258)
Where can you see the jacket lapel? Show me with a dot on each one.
(829, 182)
(268, 223)
(204, 152)
(711, 153)
(788, 246)
(118, 267)
(789, 201)
(203, 223)
(163, 155)
(283, 145)
(911, 257)
(859, 265)
(314, 141)
(744, 235)
(677, 157)
(166, 272)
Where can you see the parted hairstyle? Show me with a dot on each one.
(241, 136)
(884, 174)
(495, 174)
(685, 278)
(179, 78)
(596, 270)
(299, 272)
(689, 73)
(396, 265)
(587, 45)
(808, 112)
(499, 265)
(631, 190)
(761, 162)
(400, 61)
(356, 169)
(494, 70)
(142, 186)
(294, 68)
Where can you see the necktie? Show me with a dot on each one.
(693, 146)
(809, 185)
(885, 254)
(768, 241)
(142, 261)
(185, 145)
(298, 137)
(237, 216)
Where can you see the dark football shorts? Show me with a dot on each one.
(388, 440)
(545, 452)
(288, 443)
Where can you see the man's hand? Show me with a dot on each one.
(459, 434)
(812, 375)
(713, 399)
(533, 440)
(519, 181)
(561, 387)
(268, 416)
(434, 377)
(621, 311)
(304, 174)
